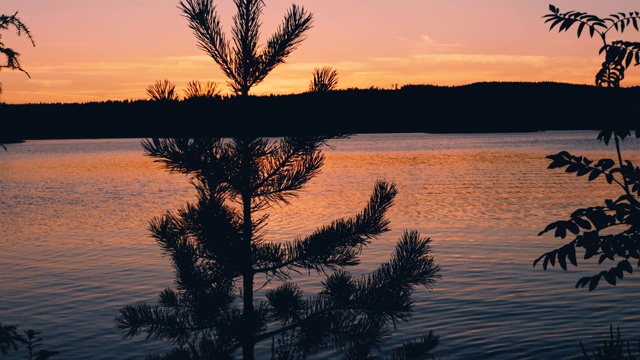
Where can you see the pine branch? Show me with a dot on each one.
(205, 24)
(287, 168)
(417, 349)
(353, 314)
(246, 32)
(287, 38)
(156, 322)
(387, 291)
(338, 244)
(9, 338)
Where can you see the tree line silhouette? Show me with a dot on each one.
(478, 107)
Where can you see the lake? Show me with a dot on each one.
(74, 244)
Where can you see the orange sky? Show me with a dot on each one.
(98, 50)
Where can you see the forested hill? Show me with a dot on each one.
(478, 107)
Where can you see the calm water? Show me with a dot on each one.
(74, 245)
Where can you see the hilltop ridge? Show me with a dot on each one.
(477, 107)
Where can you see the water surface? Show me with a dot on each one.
(74, 244)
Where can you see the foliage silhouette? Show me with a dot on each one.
(596, 228)
(619, 54)
(324, 79)
(11, 339)
(12, 57)
(219, 243)
(245, 64)
(32, 341)
(163, 90)
(201, 91)
(611, 349)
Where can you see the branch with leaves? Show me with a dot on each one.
(610, 232)
(11, 55)
(619, 54)
(10, 339)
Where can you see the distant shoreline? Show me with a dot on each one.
(475, 108)
(11, 141)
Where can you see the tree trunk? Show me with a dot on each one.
(247, 268)
(248, 340)
(247, 288)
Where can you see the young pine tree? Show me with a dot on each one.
(163, 91)
(196, 90)
(324, 79)
(219, 251)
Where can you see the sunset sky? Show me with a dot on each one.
(97, 50)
